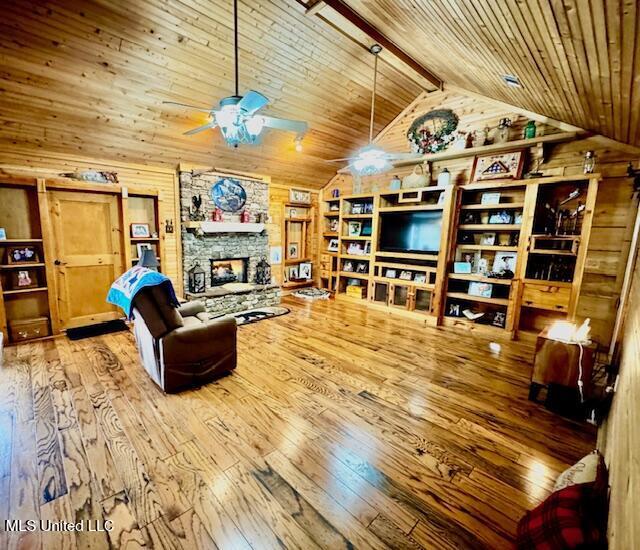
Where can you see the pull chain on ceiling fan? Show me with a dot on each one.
(236, 115)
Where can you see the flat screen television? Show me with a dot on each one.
(410, 232)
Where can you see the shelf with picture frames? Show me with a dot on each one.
(481, 285)
(298, 219)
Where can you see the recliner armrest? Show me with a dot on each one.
(193, 343)
(190, 309)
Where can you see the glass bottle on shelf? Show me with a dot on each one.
(530, 130)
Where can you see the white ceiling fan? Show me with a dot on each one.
(236, 115)
(372, 159)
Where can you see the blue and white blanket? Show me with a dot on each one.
(125, 288)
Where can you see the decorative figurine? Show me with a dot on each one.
(589, 162)
(216, 216)
(244, 217)
(195, 212)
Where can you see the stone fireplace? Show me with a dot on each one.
(232, 255)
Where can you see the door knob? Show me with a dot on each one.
(58, 262)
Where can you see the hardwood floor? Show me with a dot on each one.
(342, 427)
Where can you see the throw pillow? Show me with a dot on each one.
(584, 471)
(561, 522)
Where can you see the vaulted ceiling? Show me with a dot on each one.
(578, 60)
(89, 77)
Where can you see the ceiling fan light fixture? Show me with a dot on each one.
(371, 160)
(298, 142)
(237, 126)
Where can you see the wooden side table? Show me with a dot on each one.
(558, 362)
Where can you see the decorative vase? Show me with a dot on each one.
(444, 178)
(589, 163)
(503, 133)
(395, 183)
(244, 217)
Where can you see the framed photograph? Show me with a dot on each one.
(347, 266)
(3, 234)
(334, 224)
(355, 249)
(26, 278)
(499, 319)
(454, 310)
(498, 166)
(333, 245)
(361, 267)
(367, 248)
(275, 255)
(140, 230)
(354, 229)
(420, 278)
(301, 196)
(490, 198)
(483, 266)
(405, 275)
(357, 208)
(366, 230)
(293, 250)
(293, 273)
(503, 216)
(462, 267)
(293, 213)
(22, 254)
(488, 239)
(504, 262)
(140, 247)
(517, 217)
(368, 208)
(483, 290)
(390, 273)
(304, 270)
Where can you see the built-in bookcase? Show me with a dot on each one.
(329, 244)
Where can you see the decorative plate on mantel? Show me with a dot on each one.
(228, 195)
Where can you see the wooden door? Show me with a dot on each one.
(87, 255)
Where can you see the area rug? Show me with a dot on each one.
(255, 315)
(312, 294)
(96, 330)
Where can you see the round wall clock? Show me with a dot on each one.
(228, 195)
(433, 131)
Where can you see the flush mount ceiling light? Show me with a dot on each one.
(511, 80)
(372, 159)
(236, 115)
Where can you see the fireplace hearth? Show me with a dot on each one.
(228, 270)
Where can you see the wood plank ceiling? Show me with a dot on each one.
(89, 78)
(578, 60)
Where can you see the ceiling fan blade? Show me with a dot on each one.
(185, 105)
(252, 101)
(206, 126)
(404, 156)
(297, 126)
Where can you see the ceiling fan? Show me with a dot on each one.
(372, 159)
(236, 115)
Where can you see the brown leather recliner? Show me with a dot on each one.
(181, 347)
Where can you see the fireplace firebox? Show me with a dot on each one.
(228, 270)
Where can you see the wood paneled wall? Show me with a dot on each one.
(278, 196)
(612, 225)
(162, 179)
(620, 436)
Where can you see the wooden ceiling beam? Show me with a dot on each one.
(319, 8)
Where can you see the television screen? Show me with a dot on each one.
(410, 231)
